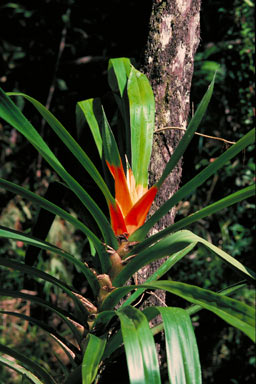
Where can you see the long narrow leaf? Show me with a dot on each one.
(219, 205)
(118, 73)
(18, 368)
(51, 332)
(116, 340)
(34, 299)
(181, 347)
(194, 183)
(162, 270)
(15, 265)
(192, 127)
(92, 358)
(30, 364)
(84, 109)
(70, 143)
(235, 313)
(53, 208)
(18, 236)
(142, 121)
(174, 243)
(10, 113)
(147, 344)
(132, 349)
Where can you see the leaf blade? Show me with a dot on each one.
(142, 121)
(181, 347)
(92, 358)
(19, 236)
(232, 311)
(194, 183)
(147, 344)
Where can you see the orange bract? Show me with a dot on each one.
(132, 202)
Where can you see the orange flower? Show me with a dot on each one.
(132, 202)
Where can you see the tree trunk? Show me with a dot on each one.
(169, 61)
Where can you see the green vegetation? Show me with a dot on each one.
(33, 63)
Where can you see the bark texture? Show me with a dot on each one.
(173, 38)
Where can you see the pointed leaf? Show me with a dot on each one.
(59, 312)
(219, 205)
(10, 113)
(19, 236)
(70, 143)
(29, 364)
(194, 183)
(173, 243)
(15, 265)
(18, 368)
(84, 109)
(138, 213)
(114, 163)
(118, 73)
(49, 206)
(142, 121)
(64, 344)
(192, 127)
(232, 311)
(161, 271)
(117, 219)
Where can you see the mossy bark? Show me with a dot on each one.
(174, 32)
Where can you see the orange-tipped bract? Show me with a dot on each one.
(132, 202)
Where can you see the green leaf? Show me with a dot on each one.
(171, 244)
(226, 291)
(189, 134)
(92, 358)
(85, 109)
(118, 72)
(147, 349)
(219, 205)
(59, 312)
(116, 340)
(142, 121)
(10, 113)
(181, 347)
(70, 143)
(162, 270)
(111, 152)
(23, 371)
(18, 236)
(64, 344)
(49, 206)
(132, 350)
(29, 364)
(15, 265)
(194, 183)
(232, 311)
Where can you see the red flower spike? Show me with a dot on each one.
(122, 192)
(117, 219)
(132, 201)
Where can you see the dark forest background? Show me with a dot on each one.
(57, 52)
